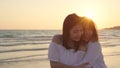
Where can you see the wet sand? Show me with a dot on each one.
(111, 56)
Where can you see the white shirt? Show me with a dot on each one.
(93, 55)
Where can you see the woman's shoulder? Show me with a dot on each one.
(94, 44)
(57, 39)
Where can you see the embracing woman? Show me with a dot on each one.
(78, 46)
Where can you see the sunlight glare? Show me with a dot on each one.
(90, 14)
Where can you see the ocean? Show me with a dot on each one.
(32, 45)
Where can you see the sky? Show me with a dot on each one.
(50, 14)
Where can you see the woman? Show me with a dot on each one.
(67, 52)
(93, 56)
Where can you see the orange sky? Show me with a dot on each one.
(50, 14)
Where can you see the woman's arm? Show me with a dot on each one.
(60, 65)
(93, 52)
(58, 39)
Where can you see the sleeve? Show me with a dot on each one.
(53, 52)
(93, 52)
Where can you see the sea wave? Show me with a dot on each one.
(26, 60)
(23, 57)
(22, 43)
(19, 50)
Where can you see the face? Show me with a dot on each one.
(76, 32)
(88, 33)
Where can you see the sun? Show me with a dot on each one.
(90, 14)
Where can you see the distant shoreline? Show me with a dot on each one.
(115, 27)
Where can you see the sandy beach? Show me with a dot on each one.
(111, 56)
(33, 64)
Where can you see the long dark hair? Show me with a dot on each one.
(70, 21)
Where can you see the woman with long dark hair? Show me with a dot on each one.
(64, 53)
